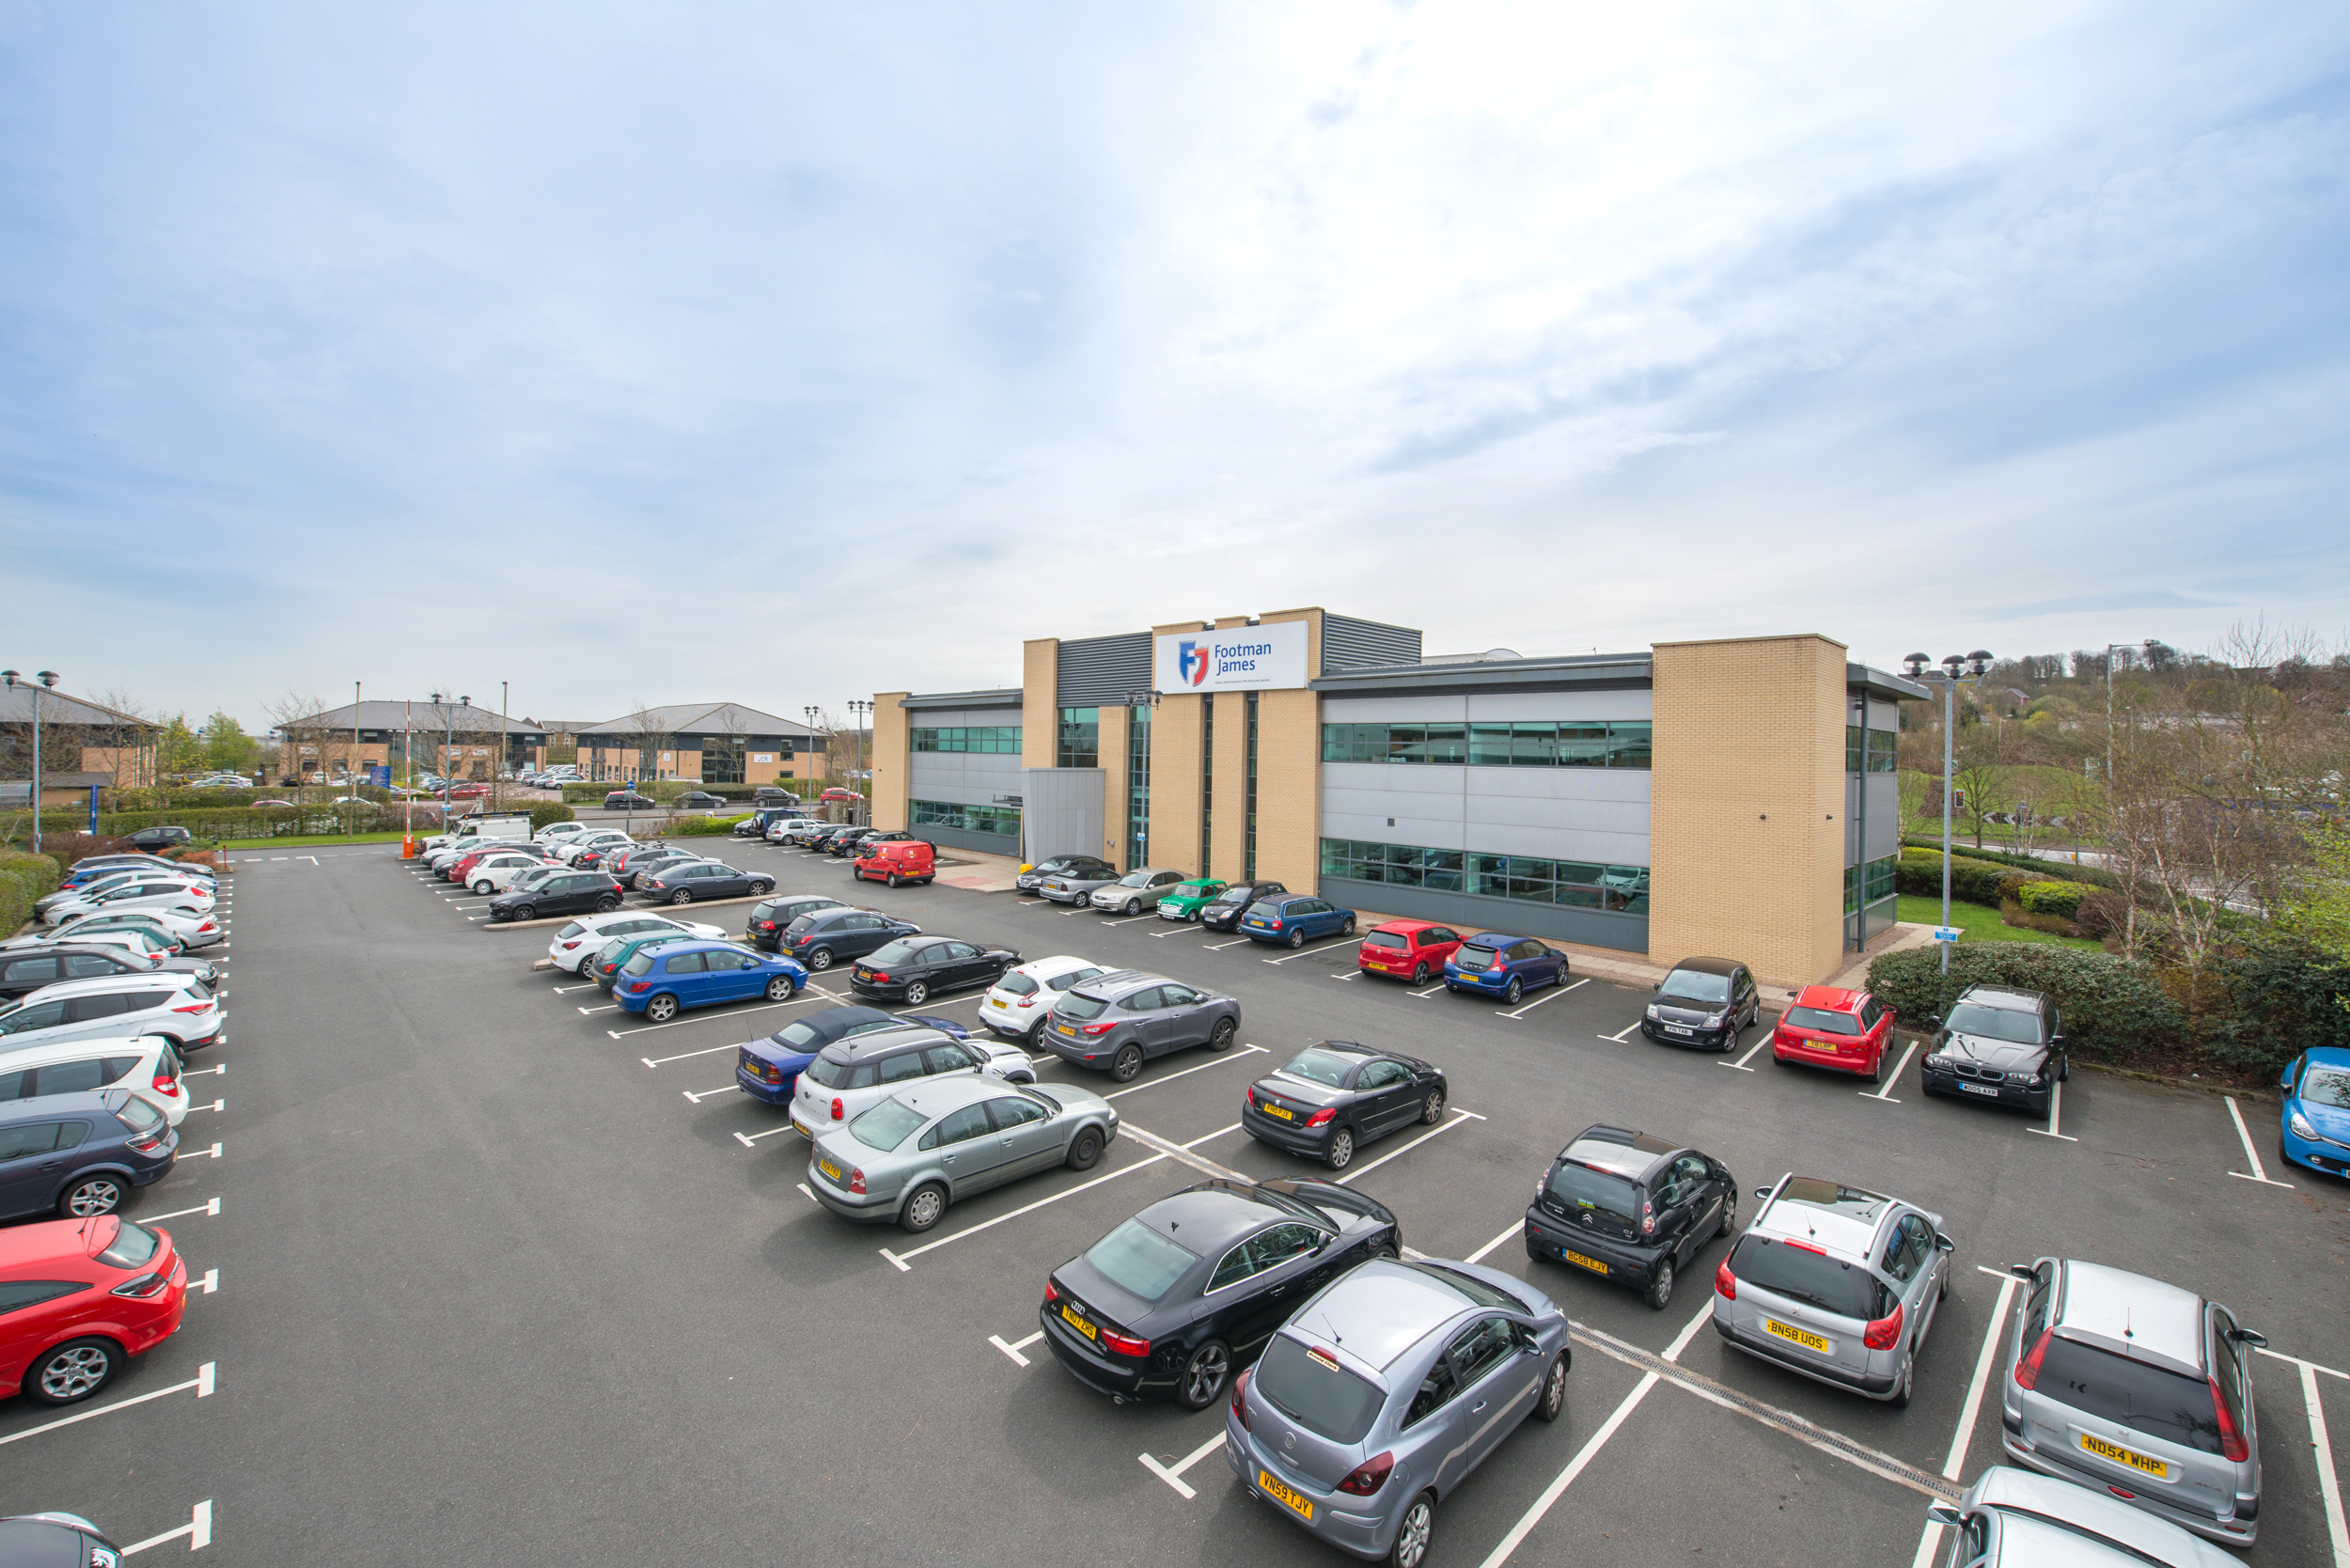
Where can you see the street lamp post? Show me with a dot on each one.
(1979, 662)
(811, 710)
(861, 808)
(48, 678)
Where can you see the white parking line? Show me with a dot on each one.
(211, 1208)
(2056, 1107)
(1014, 1348)
(2328, 1484)
(1430, 991)
(955, 1001)
(2260, 1172)
(1219, 947)
(1963, 1437)
(1182, 928)
(210, 1283)
(1740, 1065)
(591, 1012)
(1479, 1256)
(1172, 1474)
(752, 1140)
(1129, 920)
(212, 1154)
(683, 1056)
(1552, 995)
(1352, 973)
(2315, 1366)
(1458, 1117)
(199, 1071)
(803, 1192)
(698, 1096)
(1303, 951)
(714, 1012)
(1892, 1079)
(1187, 1072)
(198, 1529)
(583, 985)
(215, 1106)
(201, 1383)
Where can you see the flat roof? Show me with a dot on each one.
(998, 696)
(1581, 671)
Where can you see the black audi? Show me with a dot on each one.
(1223, 912)
(1631, 1208)
(1330, 1099)
(771, 918)
(1174, 1300)
(910, 967)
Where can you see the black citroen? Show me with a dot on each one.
(1631, 1208)
(1223, 912)
(1330, 1099)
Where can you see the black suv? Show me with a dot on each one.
(1631, 1208)
(1223, 912)
(162, 837)
(2000, 1045)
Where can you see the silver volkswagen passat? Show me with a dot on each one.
(926, 1146)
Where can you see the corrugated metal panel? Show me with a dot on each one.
(1351, 643)
(1098, 672)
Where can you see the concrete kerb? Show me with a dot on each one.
(684, 912)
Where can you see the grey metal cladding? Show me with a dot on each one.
(1100, 672)
(1351, 643)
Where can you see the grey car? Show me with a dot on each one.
(946, 1138)
(1133, 892)
(1835, 1284)
(2011, 1518)
(1120, 1021)
(1386, 1391)
(2131, 1385)
(1076, 884)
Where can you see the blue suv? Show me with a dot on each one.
(1293, 917)
(1503, 966)
(660, 981)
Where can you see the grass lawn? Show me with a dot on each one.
(1980, 923)
(309, 840)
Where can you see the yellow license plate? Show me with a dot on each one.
(1381, 967)
(831, 1170)
(1288, 1496)
(1282, 1111)
(2142, 1463)
(1591, 1263)
(1069, 1315)
(1064, 1028)
(1794, 1336)
(801, 1128)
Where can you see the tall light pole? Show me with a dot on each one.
(1979, 662)
(860, 810)
(48, 678)
(497, 774)
(811, 710)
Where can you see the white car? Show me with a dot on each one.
(140, 896)
(144, 1064)
(1015, 1005)
(601, 838)
(575, 944)
(494, 872)
(190, 931)
(113, 863)
(180, 1007)
(799, 829)
(558, 833)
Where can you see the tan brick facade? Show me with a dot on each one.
(1175, 742)
(1113, 723)
(1229, 824)
(1039, 701)
(886, 791)
(1288, 771)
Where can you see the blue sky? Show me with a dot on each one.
(782, 355)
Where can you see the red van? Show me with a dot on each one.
(897, 860)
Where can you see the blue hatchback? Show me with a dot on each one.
(1295, 918)
(770, 1069)
(662, 981)
(1503, 966)
(2314, 1129)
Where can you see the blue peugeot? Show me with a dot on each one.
(2315, 1130)
(1293, 917)
(770, 1069)
(1503, 966)
(660, 981)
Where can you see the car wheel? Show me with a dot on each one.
(1034, 1039)
(1084, 1149)
(683, 895)
(74, 1371)
(1902, 1389)
(923, 1207)
(780, 989)
(662, 1007)
(2065, 1071)
(1419, 974)
(1660, 1294)
(820, 959)
(917, 993)
(761, 888)
(1342, 1151)
(1203, 1375)
(1297, 938)
(1193, 916)
(92, 1195)
(1220, 1038)
(1730, 1215)
(1516, 990)
(1414, 1532)
(1432, 1109)
(893, 878)
(1127, 1063)
(1554, 1400)
(527, 911)
(1876, 1069)
(1347, 929)
(482, 889)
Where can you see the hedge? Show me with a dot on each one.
(2274, 1000)
(1920, 873)
(16, 901)
(701, 826)
(547, 812)
(2111, 1006)
(41, 873)
(2047, 868)
(2060, 899)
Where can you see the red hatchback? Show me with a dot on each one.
(1408, 950)
(78, 1299)
(1830, 1026)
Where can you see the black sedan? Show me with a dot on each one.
(628, 800)
(1175, 1299)
(701, 879)
(1223, 912)
(1330, 1099)
(567, 892)
(699, 800)
(771, 918)
(910, 969)
(1631, 1208)
(1031, 878)
(824, 938)
(27, 969)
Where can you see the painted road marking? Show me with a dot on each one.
(1304, 951)
(1963, 1437)
(959, 1001)
(1432, 989)
(1479, 1256)
(211, 1208)
(2260, 1172)
(591, 1012)
(2056, 1107)
(1173, 1474)
(684, 1055)
(1458, 1117)
(1351, 974)
(1219, 947)
(1554, 993)
(714, 1012)
(1893, 1080)
(198, 1529)
(752, 1140)
(803, 1192)
(1136, 1089)
(210, 1283)
(1014, 1348)
(199, 1071)
(1740, 1065)
(212, 1154)
(698, 1098)
(215, 1106)
(201, 1383)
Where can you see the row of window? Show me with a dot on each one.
(1581, 743)
(1868, 883)
(1078, 745)
(1578, 883)
(999, 740)
(1868, 750)
(1001, 819)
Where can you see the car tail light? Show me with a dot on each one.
(1806, 1245)
(2028, 1370)
(766, 925)
(1370, 1477)
(1099, 1029)
(1240, 1402)
(1881, 1334)
(2125, 1496)
(856, 1180)
(569, 946)
(1249, 1097)
(193, 1007)
(880, 975)
(2231, 1445)
(147, 1143)
(634, 986)
(1725, 1282)
(1647, 1220)
(146, 1285)
(1323, 1118)
(836, 1109)
(205, 927)
(1496, 963)
(1052, 1294)
(1124, 1346)
(166, 1085)
(1275, 922)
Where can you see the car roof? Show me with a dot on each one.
(37, 1053)
(153, 979)
(1346, 1048)
(879, 1042)
(1206, 1221)
(1844, 1219)
(1710, 965)
(938, 1096)
(2329, 1055)
(84, 1102)
(1619, 1149)
(1059, 964)
(1118, 983)
(1379, 1310)
(2007, 1488)
(1405, 928)
(1993, 995)
(2130, 1309)
(1834, 998)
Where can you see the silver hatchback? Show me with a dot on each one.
(946, 1138)
(2011, 1518)
(2139, 1388)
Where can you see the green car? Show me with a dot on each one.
(620, 949)
(1186, 900)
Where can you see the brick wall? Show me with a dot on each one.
(1288, 770)
(887, 790)
(1039, 701)
(1176, 733)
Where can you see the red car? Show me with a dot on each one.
(837, 793)
(1830, 1026)
(81, 1297)
(1410, 950)
(469, 792)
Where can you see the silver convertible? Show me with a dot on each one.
(925, 1147)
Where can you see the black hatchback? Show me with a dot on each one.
(1705, 1001)
(572, 892)
(1631, 1208)
(79, 1156)
(1223, 912)
(910, 969)
(771, 918)
(824, 938)
(1330, 1099)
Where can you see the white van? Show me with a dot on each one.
(511, 824)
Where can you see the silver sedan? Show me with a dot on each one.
(948, 1137)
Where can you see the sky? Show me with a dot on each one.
(785, 353)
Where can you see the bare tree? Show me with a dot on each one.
(295, 715)
(649, 733)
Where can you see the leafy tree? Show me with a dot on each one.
(226, 746)
(2317, 906)
(179, 750)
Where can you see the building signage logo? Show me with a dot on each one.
(1237, 658)
(1191, 663)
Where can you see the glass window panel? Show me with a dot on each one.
(1534, 746)
(1529, 881)
(1447, 742)
(1628, 744)
(1581, 898)
(1369, 743)
(1334, 856)
(1405, 742)
(1852, 742)
(1881, 744)
(1489, 744)
(1583, 746)
(1336, 738)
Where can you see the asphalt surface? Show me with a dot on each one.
(504, 1278)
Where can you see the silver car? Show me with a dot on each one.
(2013, 1518)
(948, 1137)
(1076, 886)
(851, 1077)
(1133, 892)
(143, 894)
(2138, 1388)
(1383, 1393)
(1836, 1284)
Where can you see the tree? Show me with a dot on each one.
(649, 733)
(1982, 768)
(294, 714)
(2316, 903)
(226, 747)
(178, 750)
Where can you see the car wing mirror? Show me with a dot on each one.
(1943, 1243)
(2024, 1271)
(1761, 1192)
(2056, 1040)
(1945, 1514)
(2247, 1336)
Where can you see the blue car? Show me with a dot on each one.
(1294, 917)
(769, 1069)
(1503, 966)
(2315, 1126)
(662, 981)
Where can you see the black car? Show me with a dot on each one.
(1705, 1001)
(823, 836)
(160, 838)
(852, 844)
(1631, 1208)
(823, 938)
(642, 860)
(1177, 1298)
(2000, 1045)
(700, 800)
(770, 917)
(773, 795)
(910, 969)
(1223, 912)
(98, 1145)
(571, 892)
(701, 879)
(1032, 877)
(628, 800)
(24, 971)
(1330, 1099)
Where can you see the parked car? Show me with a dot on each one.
(1835, 1284)
(897, 863)
(576, 944)
(660, 982)
(785, 828)
(699, 800)
(770, 917)
(1186, 900)
(946, 1138)
(94, 866)
(702, 879)
(759, 822)
(825, 937)
(555, 832)
(1831, 1026)
(769, 1069)
(837, 794)
(1293, 920)
(1629, 1208)
(858, 842)
(1031, 878)
(605, 966)
(469, 792)
(1117, 1021)
(137, 941)
(911, 968)
(190, 931)
(145, 1064)
(824, 833)
(180, 1007)
(851, 1077)
(160, 838)
(55, 1536)
(1383, 1393)
(2011, 1518)
(2314, 1125)
(24, 970)
(628, 800)
(84, 1297)
(1330, 1099)
(565, 892)
(1497, 963)
(1998, 1044)
(142, 895)
(773, 795)
(496, 873)
(1135, 891)
(800, 832)
(79, 1156)
(1077, 886)
(1702, 1001)
(1171, 1302)
(1409, 949)
(595, 838)
(631, 863)
(1016, 1005)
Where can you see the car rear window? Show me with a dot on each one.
(1078, 1005)
(2158, 1402)
(1140, 1262)
(1822, 1020)
(1016, 985)
(1691, 985)
(801, 927)
(1799, 1273)
(1577, 1186)
(571, 930)
(1384, 939)
(1474, 955)
(1321, 1396)
(800, 1036)
(1994, 1023)
(140, 1117)
(1264, 909)
(132, 1245)
(640, 964)
(892, 952)
(886, 1125)
(1320, 1067)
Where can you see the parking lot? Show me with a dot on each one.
(500, 1271)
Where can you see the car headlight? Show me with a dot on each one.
(1714, 1021)
(2301, 1127)
(1939, 1063)
(1655, 1012)
(2023, 1077)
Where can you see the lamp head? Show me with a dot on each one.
(1980, 661)
(8, 675)
(1916, 664)
(48, 677)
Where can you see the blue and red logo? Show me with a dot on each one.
(1191, 663)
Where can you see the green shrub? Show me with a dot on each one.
(547, 812)
(2060, 899)
(2111, 1006)
(2039, 863)
(16, 901)
(2276, 998)
(701, 826)
(41, 873)
(581, 793)
(1920, 873)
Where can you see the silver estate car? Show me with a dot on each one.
(2138, 1388)
(1077, 887)
(2011, 1518)
(946, 1138)
(1383, 1393)
(1133, 892)
(1836, 1284)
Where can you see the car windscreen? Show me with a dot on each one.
(1384, 939)
(1016, 985)
(1693, 985)
(1800, 1274)
(892, 952)
(1320, 1067)
(1319, 1395)
(1078, 1005)
(1234, 895)
(1135, 879)
(1575, 1187)
(1140, 1262)
(132, 1245)
(1822, 1020)
(640, 964)
(2327, 1085)
(2156, 1402)
(886, 1125)
(1994, 1023)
